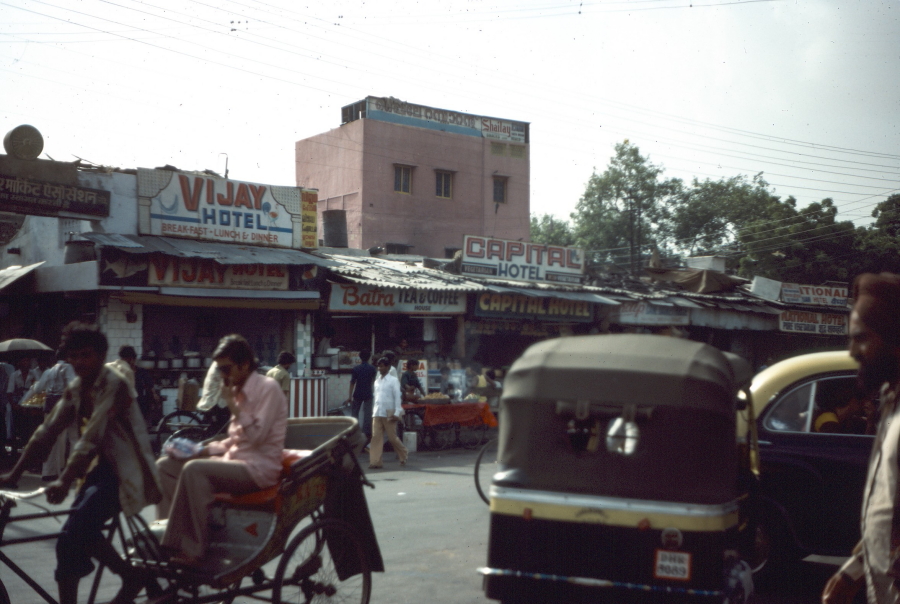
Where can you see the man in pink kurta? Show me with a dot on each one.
(248, 460)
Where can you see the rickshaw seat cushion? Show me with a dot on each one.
(265, 498)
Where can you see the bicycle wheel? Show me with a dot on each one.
(172, 423)
(314, 562)
(472, 437)
(485, 468)
(440, 437)
(4, 597)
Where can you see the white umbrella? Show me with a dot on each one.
(20, 347)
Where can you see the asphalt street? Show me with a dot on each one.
(431, 526)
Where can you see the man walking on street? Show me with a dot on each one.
(387, 411)
(875, 343)
(53, 383)
(102, 405)
(362, 379)
(280, 372)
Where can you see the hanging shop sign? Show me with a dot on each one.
(171, 271)
(515, 306)
(644, 313)
(821, 323)
(819, 295)
(176, 204)
(520, 261)
(309, 200)
(366, 298)
(21, 196)
(519, 328)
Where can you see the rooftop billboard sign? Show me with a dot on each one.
(211, 208)
(521, 261)
(394, 110)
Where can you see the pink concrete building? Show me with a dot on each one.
(417, 179)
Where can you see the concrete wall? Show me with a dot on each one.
(353, 168)
(332, 162)
(113, 321)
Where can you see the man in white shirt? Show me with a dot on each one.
(53, 383)
(875, 342)
(386, 413)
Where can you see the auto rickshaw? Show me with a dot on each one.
(619, 476)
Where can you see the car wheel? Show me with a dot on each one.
(773, 553)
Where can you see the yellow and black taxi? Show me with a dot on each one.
(815, 436)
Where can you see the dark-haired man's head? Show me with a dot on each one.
(84, 347)
(875, 329)
(412, 365)
(286, 359)
(129, 355)
(384, 365)
(235, 359)
(364, 356)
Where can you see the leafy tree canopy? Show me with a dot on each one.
(623, 208)
(551, 231)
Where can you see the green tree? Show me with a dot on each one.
(709, 215)
(878, 245)
(549, 230)
(805, 246)
(623, 210)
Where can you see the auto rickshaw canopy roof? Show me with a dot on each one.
(624, 369)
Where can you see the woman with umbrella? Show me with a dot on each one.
(20, 352)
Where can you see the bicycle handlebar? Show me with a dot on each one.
(18, 496)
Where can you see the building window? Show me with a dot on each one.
(517, 151)
(443, 184)
(498, 149)
(499, 189)
(403, 179)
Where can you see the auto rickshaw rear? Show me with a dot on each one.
(619, 478)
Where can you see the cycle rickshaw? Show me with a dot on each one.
(619, 476)
(330, 558)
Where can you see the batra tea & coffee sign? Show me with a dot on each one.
(215, 209)
(520, 261)
(365, 298)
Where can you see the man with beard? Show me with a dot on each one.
(875, 344)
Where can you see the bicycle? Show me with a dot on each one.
(197, 425)
(487, 457)
(323, 552)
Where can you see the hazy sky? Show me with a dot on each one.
(807, 92)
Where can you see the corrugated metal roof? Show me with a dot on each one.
(223, 253)
(391, 273)
(9, 274)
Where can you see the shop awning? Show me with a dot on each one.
(208, 299)
(382, 272)
(223, 253)
(547, 293)
(11, 273)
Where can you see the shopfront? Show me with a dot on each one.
(417, 323)
(504, 321)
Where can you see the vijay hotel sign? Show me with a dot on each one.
(179, 204)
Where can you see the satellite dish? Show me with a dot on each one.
(24, 142)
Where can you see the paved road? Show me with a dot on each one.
(431, 526)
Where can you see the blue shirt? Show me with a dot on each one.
(363, 376)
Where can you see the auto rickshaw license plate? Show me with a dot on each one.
(672, 565)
